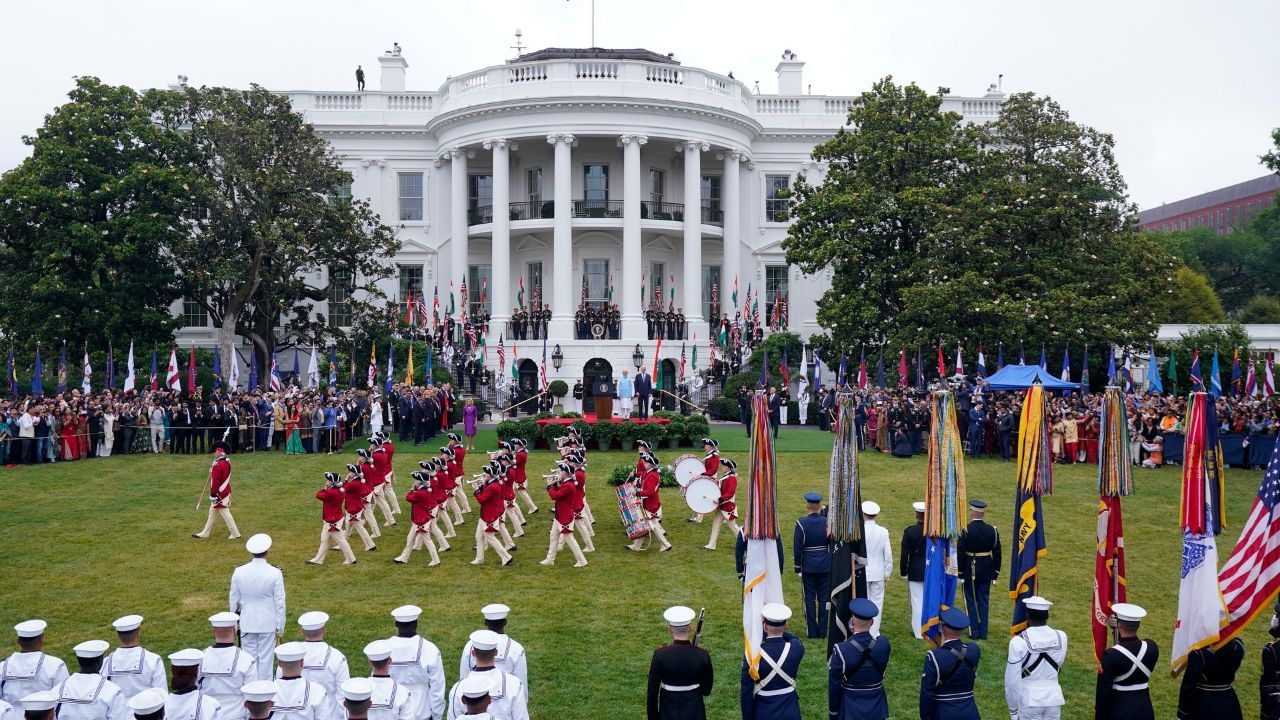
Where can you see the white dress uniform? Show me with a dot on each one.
(223, 671)
(194, 704)
(257, 594)
(90, 697)
(326, 666)
(301, 699)
(510, 659)
(506, 694)
(135, 669)
(390, 700)
(23, 673)
(417, 665)
(1031, 675)
(879, 565)
(6, 711)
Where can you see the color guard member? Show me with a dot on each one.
(946, 687)
(219, 494)
(1122, 692)
(1269, 682)
(680, 674)
(855, 671)
(813, 564)
(1031, 674)
(979, 555)
(879, 559)
(911, 565)
(773, 696)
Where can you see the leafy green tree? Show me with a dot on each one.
(84, 222)
(1229, 261)
(1191, 299)
(1261, 309)
(1224, 338)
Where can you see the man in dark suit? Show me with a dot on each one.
(979, 555)
(644, 390)
(911, 565)
(775, 409)
(404, 413)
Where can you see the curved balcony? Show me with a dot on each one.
(607, 213)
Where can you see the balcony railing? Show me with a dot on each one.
(597, 208)
(650, 210)
(713, 216)
(546, 209)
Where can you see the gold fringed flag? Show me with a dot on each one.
(762, 576)
(1115, 479)
(944, 501)
(1035, 478)
(844, 525)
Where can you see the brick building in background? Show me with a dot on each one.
(1220, 210)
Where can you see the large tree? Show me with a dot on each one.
(1230, 261)
(85, 219)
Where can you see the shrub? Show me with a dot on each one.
(508, 429)
(543, 416)
(724, 407)
(559, 388)
(621, 472)
(604, 434)
(652, 432)
(627, 433)
(570, 414)
(666, 414)
(551, 431)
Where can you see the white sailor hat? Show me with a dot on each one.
(917, 506)
(186, 658)
(870, 508)
(378, 650)
(91, 648)
(485, 640)
(224, 619)
(39, 701)
(1035, 602)
(495, 611)
(127, 623)
(406, 613)
(30, 628)
(679, 616)
(474, 686)
(291, 651)
(357, 689)
(259, 691)
(1128, 612)
(775, 613)
(258, 544)
(313, 620)
(146, 702)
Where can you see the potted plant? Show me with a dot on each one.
(559, 389)
(675, 431)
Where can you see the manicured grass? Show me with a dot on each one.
(86, 542)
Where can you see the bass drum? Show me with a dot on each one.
(702, 495)
(687, 468)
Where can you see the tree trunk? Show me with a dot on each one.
(227, 342)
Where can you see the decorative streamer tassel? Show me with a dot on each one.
(1115, 464)
(944, 483)
(761, 520)
(844, 514)
(1035, 470)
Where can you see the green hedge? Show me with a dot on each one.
(622, 471)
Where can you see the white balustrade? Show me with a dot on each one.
(413, 101)
(596, 70)
(664, 74)
(339, 101)
(527, 73)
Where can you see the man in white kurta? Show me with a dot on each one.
(879, 559)
(323, 664)
(131, 666)
(510, 657)
(257, 595)
(297, 698)
(225, 668)
(417, 665)
(29, 670)
(88, 694)
(186, 701)
(1031, 674)
(506, 692)
(388, 699)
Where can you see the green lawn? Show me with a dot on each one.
(89, 541)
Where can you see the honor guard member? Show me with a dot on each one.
(259, 699)
(855, 671)
(389, 700)
(710, 465)
(1126, 668)
(649, 493)
(220, 494)
(323, 664)
(680, 674)
(1269, 683)
(946, 687)
(726, 507)
(773, 696)
(1031, 675)
(88, 694)
(332, 533)
(813, 564)
(257, 595)
(357, 699)
(186, 701)
(911, 565)
(130, 666)
(1207, 680)
(979, 555)
(148, 704)
(39, 705)
(879, 559)
(474, 693)
(29, 670)
(416, 664)
(297, 698)
(510, 657)
(225, 668)
(507, 698)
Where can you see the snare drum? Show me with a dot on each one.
(702, 495)
(687, 468)
(633, 519)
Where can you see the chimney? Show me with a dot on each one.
(393, 67)
(790, 74)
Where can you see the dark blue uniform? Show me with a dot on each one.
(1207, 683)
(979, 550)
(680, 676)
(946, 688)
(1122, 692)
(1269, 682)
(774, 696)
(855, 678)
(813, 563)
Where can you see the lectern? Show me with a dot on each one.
(602, 390)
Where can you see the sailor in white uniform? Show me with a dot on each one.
(510, 657)
(131, 666)
(879, 560)
(29, 670)
(297, 698)
(474, 692)
(257, 594)
(39, 705)
(88, 694)
(259, 699)
(507, 699)
(225, 668)
(186, 701)
(389, 700)
(417, 665)
(323, 664)
(7, 712)
(1031, 675)
(357, 699)
(148, 704)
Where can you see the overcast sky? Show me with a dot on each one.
(1189, 89)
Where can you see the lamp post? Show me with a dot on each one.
(557, 358)
(637, 357)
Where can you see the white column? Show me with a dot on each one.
(458, 228)
(500, 289)
(562, 238)
(633, 325)
(732, 231)
(693, 236)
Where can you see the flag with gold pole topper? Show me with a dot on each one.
(762, 574)
(944, 503)
(846, 542)
(1035, 478)
(1115, 480)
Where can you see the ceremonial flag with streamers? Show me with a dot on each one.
(1115, 479)
(131, 379)
(1201, 610)
(86, 381)
(37, 377)
(62, 369)
(191, 368)
(1035, 478)
(233, 379)
(1153, 372)
(273, 376)
(217, 368)
(944, 503)
(762, 576)
(1251, 577)
(173, 380)
(845, 533)
(902, 367)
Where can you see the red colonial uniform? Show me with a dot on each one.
(220, 482)
(521, 477)
(508, 488)
(728, 488)
(381, 466)
(391, 452)
(454, 468)
(711, 464)
(439, 492)
(354, 493)
(332, 506)
(492, 505)
(564, 495)
(445, 479)
(579, 491)
(459, 454)
(648, 492)
(422, 505)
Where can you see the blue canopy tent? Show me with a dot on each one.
(1021, 377)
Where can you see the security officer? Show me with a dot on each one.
(186, 701)
(1031, 674)
(87, 695)
(946, 687)
(323, 664)
(979, 555)
(813, 564)
(911, 565)
(1126, 667)
(1206, 683)
(773, 696)
(855, 671)
(680, 674)
(131, 666)
(29, 670)
(1269, 683)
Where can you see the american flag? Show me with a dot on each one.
(1251, 576)
(543, 368)
(502, 358)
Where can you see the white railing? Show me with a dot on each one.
(837, 106)
(980, 108)
(527, 73)
(716, 85)
(414, 101)
(596, 70)
(664, 74)
(477, 81)
(339, 101)
(777, 105)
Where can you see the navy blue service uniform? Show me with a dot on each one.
(680, 676)
(813, 564)
(774, 696)
(1206, 690)
(1269, 682)
(855, 678)
(946, 687)
(979, 555)
(1122, 683)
